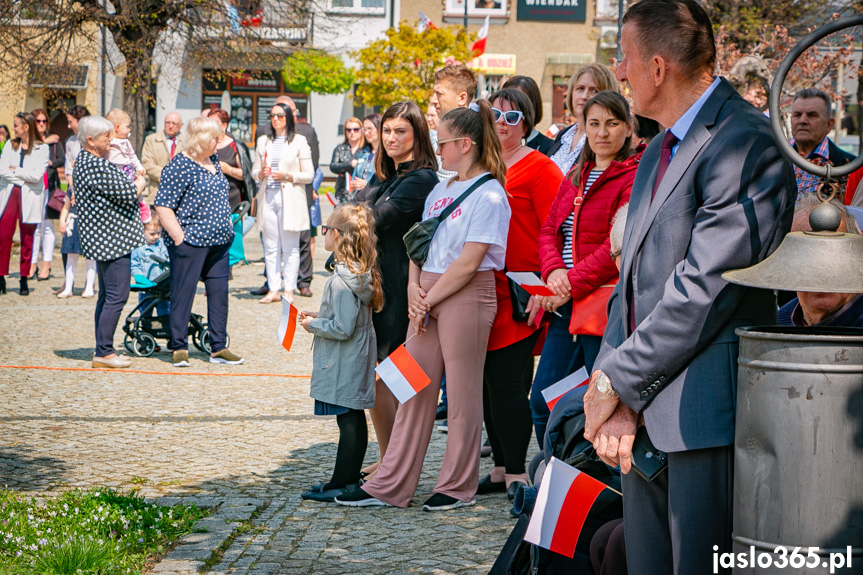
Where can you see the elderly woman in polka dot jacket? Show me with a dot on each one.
(109, 227)
(192, 204)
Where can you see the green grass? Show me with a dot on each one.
(93, 532)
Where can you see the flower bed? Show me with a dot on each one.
(92, 532)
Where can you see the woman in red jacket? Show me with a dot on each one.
(574, 246)
(531, 181)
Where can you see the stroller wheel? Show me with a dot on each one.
(127, 343)
(204, 341)
(144, 345)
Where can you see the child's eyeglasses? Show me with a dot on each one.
(326, 229)
(511, 117)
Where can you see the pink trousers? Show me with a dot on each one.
(455, 341)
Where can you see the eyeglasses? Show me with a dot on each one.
(614, 255)
(352, 130)
(41, 121)
(511, 117)
(440, 143)
(325, 229)
(280, 115)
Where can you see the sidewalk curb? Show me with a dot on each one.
(208, 534)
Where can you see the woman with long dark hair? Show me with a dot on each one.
(22, 186)
(404, 176)
(574, 245)
(283, 165)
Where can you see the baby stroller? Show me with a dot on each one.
(142, 329)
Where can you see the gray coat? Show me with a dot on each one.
(345, 344)
(725, 202)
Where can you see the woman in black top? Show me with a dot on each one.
(346, 155)
(405, 167)
(232, 159)
(109, 227)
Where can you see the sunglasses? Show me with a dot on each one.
(281, 115)
(511, 117)
(614, 254)
(41, 121)
(352, 130)
(325, 229)
(440, 143)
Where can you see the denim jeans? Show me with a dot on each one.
(561, 356)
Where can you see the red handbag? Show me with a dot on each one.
(589, 315)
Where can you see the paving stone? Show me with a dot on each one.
(239, 445)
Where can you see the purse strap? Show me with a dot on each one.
(449, 209)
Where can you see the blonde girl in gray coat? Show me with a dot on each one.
(343, 378)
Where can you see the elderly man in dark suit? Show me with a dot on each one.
(304, 280)
(713, 194)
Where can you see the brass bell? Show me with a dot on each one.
(821, 260)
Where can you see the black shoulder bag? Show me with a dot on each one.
(419, 237)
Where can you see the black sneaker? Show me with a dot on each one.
(359, 498)
(441, 412)
(441, 502)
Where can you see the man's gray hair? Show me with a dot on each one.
(810, 201)
(807, 93)
(93, 127)
(618, 224)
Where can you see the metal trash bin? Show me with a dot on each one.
(798, 475)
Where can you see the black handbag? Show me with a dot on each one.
(519, 298)
(418, 238)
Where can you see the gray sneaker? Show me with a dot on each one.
(226, 357)
(180, 358)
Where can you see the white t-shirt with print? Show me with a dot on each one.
(482, 217)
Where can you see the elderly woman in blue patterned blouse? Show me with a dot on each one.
(109, 227)
(192, 204)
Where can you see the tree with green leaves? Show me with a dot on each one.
(307, 71)
(401, 65)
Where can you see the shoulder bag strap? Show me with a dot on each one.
(449, 209)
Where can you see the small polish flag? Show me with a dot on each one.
(425, 23)
(553, 393)
(402, 374)
(347, 182)
(332, 198)
(562, 505)
(552, 131)
(288, 324)
(530, 283)
(478, 47)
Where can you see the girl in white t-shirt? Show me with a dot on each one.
(452, 306)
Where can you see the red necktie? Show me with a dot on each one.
(173, 146)
(668, 143)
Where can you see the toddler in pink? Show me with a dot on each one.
(123, 155)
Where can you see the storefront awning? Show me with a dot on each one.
(54, 76)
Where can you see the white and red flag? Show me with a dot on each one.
(530, 283)
(553, 393)
(562, 504)
(288, 324)
(478, 47)
(332, 198)
(425, 23)
(402, 374)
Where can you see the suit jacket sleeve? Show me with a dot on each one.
(742, 196)
(148, 160)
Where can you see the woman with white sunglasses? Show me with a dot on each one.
(532, 180)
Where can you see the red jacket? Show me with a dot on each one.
(592, 263)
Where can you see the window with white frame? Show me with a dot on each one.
(476, 7)
(376, 7)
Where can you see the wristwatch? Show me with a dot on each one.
(603, 385)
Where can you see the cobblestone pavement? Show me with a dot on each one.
(215, 435)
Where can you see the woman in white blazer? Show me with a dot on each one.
(283, 166)
(22, 188)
